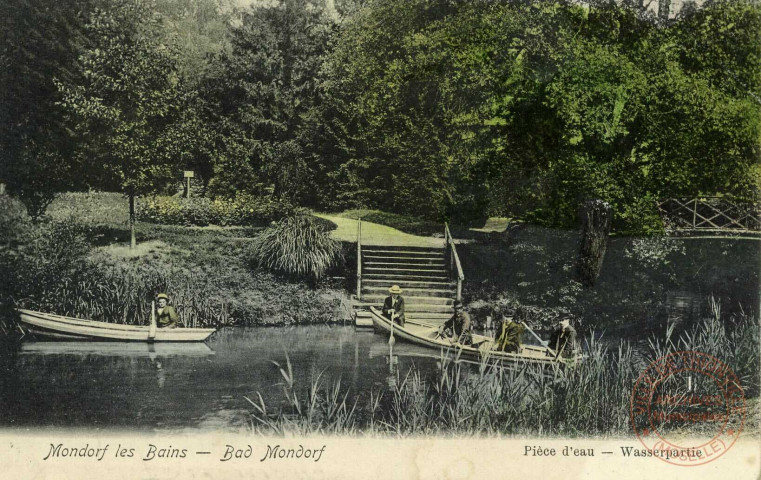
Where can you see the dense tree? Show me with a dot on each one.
(530, 109)
(264, 87)
(130, 107)
(39, 42)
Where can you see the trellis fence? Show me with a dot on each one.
(711, 214)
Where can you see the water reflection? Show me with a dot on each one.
(111, 349)
(197, 386)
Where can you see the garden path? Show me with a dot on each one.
(376, 234)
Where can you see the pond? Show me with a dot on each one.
(162, 387)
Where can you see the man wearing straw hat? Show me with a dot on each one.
(393, 306)
(166, 315)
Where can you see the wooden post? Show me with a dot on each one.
(132, 238)
(359, 259)
(595, 228)
(694, 212)
(188, 174)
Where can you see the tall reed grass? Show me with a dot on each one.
(591, 399)
(296, 246)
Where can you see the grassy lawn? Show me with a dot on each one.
(205, 270)
(403, 223)
(377, 234)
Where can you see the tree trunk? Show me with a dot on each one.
(132, 239)
(664, 9)
(595, 228)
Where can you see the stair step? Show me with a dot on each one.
(405, 270)
(405, 277)
(409, 300)
(403, 253)
(407, 283)
(411, 307)
(402, 258)
(423, 292)
(379, 264)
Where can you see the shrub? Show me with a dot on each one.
(296, 246)
(242, 210)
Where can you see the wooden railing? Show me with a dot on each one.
(454, 260)
(359, 259)
(709, 214)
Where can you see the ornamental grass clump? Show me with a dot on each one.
(296, 246)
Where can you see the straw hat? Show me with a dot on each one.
(162, 295)
(396, 289)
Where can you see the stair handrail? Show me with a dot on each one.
(454, 258)
(359, 259)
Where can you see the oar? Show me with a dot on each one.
(544, 343)
(152, 331)
(561, 349)
(391, 339)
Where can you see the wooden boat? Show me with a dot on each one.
(68, 328)
(426, 335)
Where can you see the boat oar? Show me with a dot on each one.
(391, 339)
(152, 330)
(544, 343)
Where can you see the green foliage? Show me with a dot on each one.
(297, 246)
(262, 89)
(40, 41)
(528, 109)
(52, 266)
(241, 210)
(128, 106)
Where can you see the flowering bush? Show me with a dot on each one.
(242, 210)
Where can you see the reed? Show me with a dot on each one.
(296, 246)
(591, 399)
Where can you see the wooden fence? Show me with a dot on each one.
(717, 214)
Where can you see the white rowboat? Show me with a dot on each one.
(68, 328)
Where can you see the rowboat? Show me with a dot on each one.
(68, 328)
(427, 336)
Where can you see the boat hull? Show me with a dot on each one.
(67, 328)
(426, 336)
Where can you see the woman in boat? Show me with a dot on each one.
(563, 339)
(166, 315)
(509, 337)
(458, 328)
(393, 306)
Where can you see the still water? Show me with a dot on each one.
(98, 385)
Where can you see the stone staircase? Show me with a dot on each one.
(421, 272)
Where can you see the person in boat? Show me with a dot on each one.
(563, 339)
(508, 337)
(393, 306)
(458, 328)
(166, 315)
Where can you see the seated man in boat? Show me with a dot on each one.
(166, 315)
(563, 339)
(509, 335)
(458, 328)
(393, 306)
